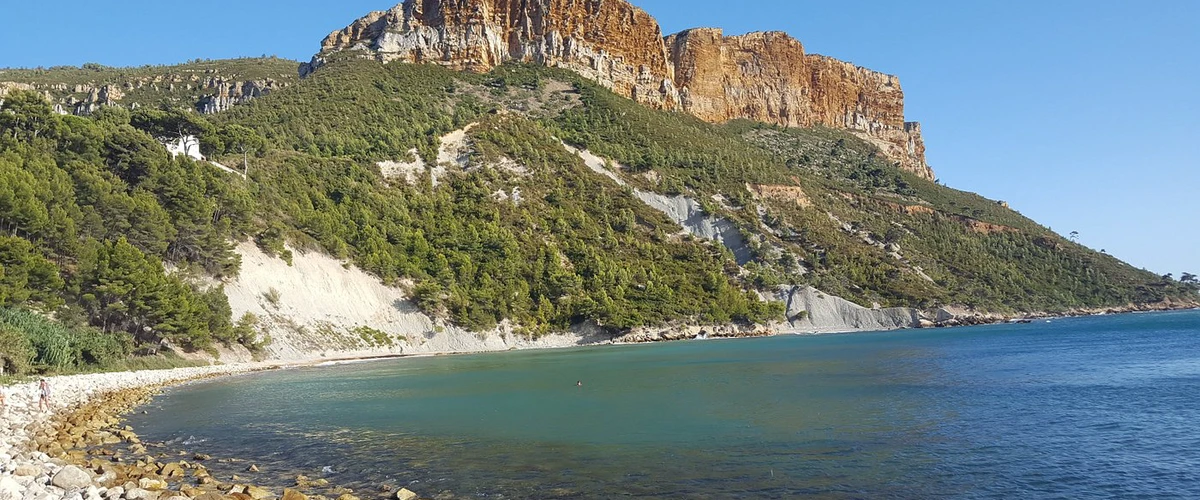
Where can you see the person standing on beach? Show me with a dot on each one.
(43, 395)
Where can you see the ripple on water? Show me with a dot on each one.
(1078, 408)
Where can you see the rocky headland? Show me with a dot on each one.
(766, 77)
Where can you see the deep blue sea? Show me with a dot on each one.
(1098, 407)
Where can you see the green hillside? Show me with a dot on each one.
(958, 248)
(109, 233)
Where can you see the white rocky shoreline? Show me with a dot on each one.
(29, 474)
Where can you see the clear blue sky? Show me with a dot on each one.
(1084, 115)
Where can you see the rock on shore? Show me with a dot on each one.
(27, 473)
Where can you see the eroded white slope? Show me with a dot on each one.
(318, 306)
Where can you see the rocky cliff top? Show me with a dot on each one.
(208, 86)
(763, 76)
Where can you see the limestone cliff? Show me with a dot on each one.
(767, 77)
(609, 41)
(227, 93)
(760, 76)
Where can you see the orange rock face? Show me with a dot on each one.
(792, 194)
(760, 76)
(608, 41)
(767, 77)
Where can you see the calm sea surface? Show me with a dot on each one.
(1101, 407)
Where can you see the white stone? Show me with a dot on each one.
(139, 494)
(10, 489)
(72, 477)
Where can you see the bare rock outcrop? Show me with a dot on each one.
(6, 87)
(226, 94)
(793, 194)
(210, 93)
(103, 95)
(611, 42)
(767, 77)
(809, 310)
(759, 76)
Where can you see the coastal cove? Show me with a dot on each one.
(500, 249)
(1089, 406)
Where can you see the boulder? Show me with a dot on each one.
(172, 470)
(210, 496)
(30, 470)
(405, 494)
(148, 483)
(107, 476)
(290, 494)
(140, 494)
(72, 478)
(38, 490)
(10, 489)
(258, 493)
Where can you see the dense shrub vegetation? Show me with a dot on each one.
(101, 229)
(93, 211)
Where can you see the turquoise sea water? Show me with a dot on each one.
(1101, 407)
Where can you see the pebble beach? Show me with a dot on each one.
(67, 450)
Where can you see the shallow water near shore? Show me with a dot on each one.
(1072, 408)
